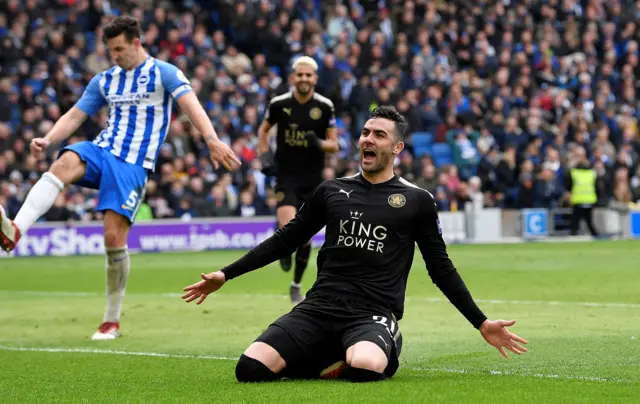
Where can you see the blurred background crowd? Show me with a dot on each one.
(501, 96)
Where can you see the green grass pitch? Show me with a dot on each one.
(578, 304)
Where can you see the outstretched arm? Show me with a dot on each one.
(176, 83)
(309, 220)
(285, 241)
(448, 280)
(88, 105)
(441, 270)
(191, 106)
(220, 152)
(66, 125)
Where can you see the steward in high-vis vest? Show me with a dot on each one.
(581, 182)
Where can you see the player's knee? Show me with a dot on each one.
(250, 370)
(113, 238)
(374, 363)
(285, 214)
(110, 239)
(116, 229)
(68, 168)
(50, 177)
(367, 355)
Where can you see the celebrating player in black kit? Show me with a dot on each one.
(306, 129)
(347, 325)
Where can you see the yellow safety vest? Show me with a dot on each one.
(584, 186)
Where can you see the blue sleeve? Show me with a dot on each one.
(92, 99)
(174, 80)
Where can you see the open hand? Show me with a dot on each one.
(496, 334)
(209, 284)
(222, 154)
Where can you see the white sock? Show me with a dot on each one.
(39, 201)
(296, 285)
(118, 266)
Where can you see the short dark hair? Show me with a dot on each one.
(389, 112)
(126, 25)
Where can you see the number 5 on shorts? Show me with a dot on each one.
(132, 202)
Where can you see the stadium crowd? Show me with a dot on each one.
(500, 95)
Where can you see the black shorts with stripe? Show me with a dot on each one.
(318, 332)
(293, 192)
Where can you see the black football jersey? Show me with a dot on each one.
(296, 156)
(370, 238)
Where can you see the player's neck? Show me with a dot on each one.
(302, 99)
(379, 177)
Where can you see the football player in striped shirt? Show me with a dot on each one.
(139, 91)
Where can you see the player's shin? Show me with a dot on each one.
(250, 370)
(358, 375)
(302, 259)
(39, 201)
(118, 268)
(285, 262)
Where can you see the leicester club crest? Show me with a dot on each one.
(397, 200)
(315, 113)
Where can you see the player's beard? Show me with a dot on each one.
(304, 88)
(382, 160)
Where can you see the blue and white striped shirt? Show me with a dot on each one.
(140, 104)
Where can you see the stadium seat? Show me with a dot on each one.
(441, 154)
(421, 142)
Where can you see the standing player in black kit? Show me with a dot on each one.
(306, 129)
(347, 325)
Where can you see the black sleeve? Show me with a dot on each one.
(331, 117)
(441, 270)
(271, 114)
(307, 222)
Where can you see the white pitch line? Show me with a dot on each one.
(526, 374)
(226, 358)
(111, 352)
(408, 299)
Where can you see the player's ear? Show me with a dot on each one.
(398, 147)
